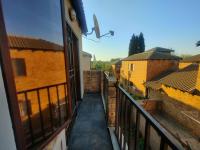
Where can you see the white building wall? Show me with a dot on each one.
(7, 141)
(58, 143)
(85, 62)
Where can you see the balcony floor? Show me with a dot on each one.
(90, 130)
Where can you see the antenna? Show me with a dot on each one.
(97, 30)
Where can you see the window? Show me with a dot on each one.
(19, 67)
(131, 67)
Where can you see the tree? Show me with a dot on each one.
(198, 43)
(141, 42)
(131, 45)
(115, 60)
(136, 44)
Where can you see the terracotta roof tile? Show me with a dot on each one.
(184, 79)
(195, 58)
(152, 54)
(20, 42)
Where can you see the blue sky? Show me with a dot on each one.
(165, 23)
(34, 18)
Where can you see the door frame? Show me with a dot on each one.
(9, 83)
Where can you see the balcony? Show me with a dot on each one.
(107, 117)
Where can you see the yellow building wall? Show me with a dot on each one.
(198, 79)
(143, 71)
(184, 64)
(184, 97)
(116, 71)
(138, 76)
(43, 68)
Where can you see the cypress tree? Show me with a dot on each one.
(141, 43)
(136, 44)
(131, 45)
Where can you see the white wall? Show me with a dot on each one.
(7, 141)
(85, 62)
(58, 143)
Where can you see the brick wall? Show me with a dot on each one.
(111, 104)
(151, 106)
(92, 81)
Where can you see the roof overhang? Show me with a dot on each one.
(78, 7)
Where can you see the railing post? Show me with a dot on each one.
(117, 109)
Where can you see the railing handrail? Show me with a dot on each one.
(39, 88)
(171, 141)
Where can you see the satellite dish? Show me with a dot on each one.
(96, 27)
(97, 30)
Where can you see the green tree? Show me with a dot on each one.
(131, 45)
(198, 43)
(141, 42)
(136, 44)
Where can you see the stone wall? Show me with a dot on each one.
(92, 81)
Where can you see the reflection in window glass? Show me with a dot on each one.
(34, 30)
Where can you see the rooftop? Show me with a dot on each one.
(195, 58)
(21, 42)
(184, 79)
(86, 54)
(153, 54)
(78, 6)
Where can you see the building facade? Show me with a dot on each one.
(140, 68)
(86, 61)
(179, 96)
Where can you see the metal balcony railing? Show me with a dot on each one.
(134, 126)
(43, 111)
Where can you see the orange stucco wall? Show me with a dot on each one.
(184, 64)
(43, 68)
(137, 76)
(156, 67)
(144, 70)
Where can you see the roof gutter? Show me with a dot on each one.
(78, 6)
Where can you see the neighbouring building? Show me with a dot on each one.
(179, 96)
(116, 68)
(189, 60)
(140, 68)
(85, 60)
(31, 73)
